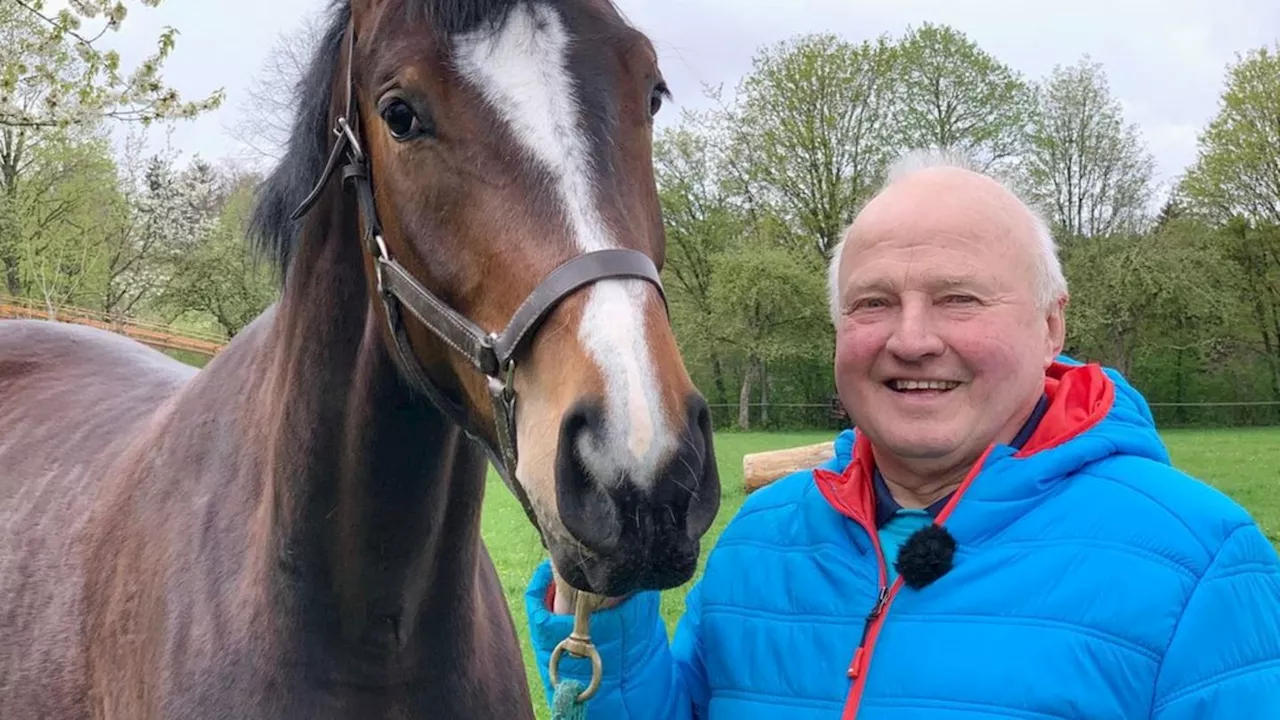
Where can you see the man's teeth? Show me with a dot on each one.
(924, 384)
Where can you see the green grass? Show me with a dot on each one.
(1243, 463)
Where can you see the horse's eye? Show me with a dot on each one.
(400, 119)
(656, 97)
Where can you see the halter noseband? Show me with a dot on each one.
(493, 354)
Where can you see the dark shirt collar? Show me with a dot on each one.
(886, 506)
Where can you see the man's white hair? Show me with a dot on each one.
(1051, 284)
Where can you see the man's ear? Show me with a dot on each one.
(1057, 326)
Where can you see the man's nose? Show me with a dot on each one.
(915, 336)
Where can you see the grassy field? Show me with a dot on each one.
(1243, 463)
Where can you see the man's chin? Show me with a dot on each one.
(916, 442)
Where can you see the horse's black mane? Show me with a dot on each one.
(270, 230)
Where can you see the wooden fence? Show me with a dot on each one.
(157, 335)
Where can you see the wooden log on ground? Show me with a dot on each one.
(761, 468)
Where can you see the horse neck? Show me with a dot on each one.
(373, 496)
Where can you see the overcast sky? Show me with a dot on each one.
(1165, 59)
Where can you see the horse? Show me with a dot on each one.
(469, 242)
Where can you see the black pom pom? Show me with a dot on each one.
(925, 556)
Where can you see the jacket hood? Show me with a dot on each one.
(1093, 413)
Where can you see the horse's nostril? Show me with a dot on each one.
(704, 500)
(588, 512)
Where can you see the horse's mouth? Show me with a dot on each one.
(661, 564)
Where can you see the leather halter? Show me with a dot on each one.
(491, 353)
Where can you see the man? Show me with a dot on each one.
(1001, 536)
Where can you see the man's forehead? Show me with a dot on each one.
(903, 271)
(942, 199)
(922, 215)
(906, 255)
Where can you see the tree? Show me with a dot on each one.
(1235, 183)
(1089, 169)
(1149, 293)
(55, 83)
(53, 220)
(54, 74)
(163, 216)
(812, 134)
(769, 305)
(61, 221)
(949, 93)
(1237, 168)
(218, 275)
(701, 219)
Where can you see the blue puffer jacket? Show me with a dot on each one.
(1091, 580)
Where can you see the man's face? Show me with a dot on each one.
(940, 346)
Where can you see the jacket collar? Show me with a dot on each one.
(887, 506)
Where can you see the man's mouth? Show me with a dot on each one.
(922, 385)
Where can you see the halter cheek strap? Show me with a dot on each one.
(493, 354)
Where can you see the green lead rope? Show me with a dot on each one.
(565, 704)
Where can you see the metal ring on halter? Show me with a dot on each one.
(344, 128)
(579, 645)
(378, 273)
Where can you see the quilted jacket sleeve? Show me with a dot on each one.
(1224, 659)
(645, 678)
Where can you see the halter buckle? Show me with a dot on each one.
(344, 129)
(383, 256)
(503, 395)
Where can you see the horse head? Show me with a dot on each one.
(500, 153)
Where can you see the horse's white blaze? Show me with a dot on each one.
(521, 70)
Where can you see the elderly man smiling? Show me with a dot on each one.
(1002, 536)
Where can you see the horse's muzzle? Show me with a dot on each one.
(636, 537)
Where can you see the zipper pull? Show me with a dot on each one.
(880, 603)
(860, 655)
(859, 663)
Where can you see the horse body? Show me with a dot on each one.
(288, 582)
(111, 386)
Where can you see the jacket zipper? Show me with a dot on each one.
(859, 664)
(870, 632)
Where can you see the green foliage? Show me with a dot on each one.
(756, 192)
(700, 217)
(59, 216)
(768, 303)
(1141, 295)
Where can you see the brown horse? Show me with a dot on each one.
(469, 234)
